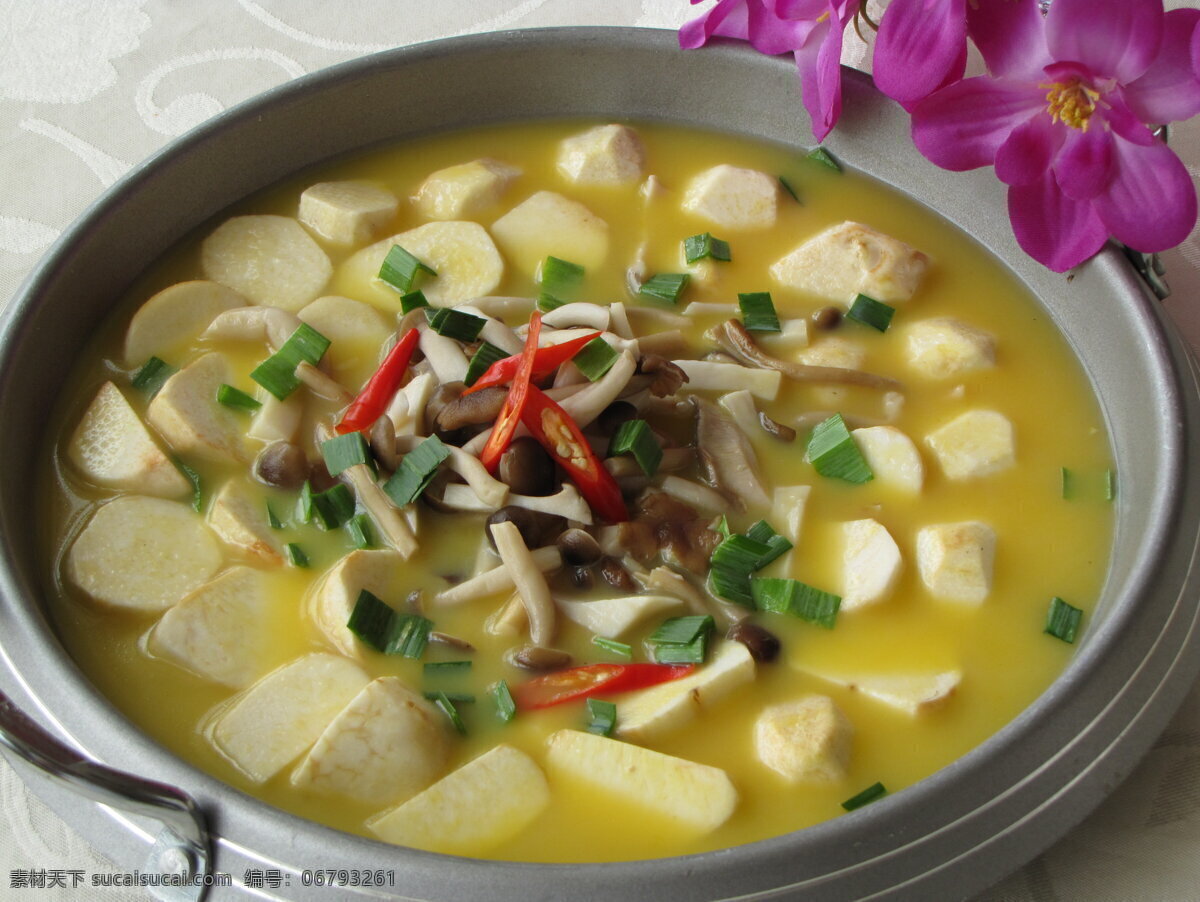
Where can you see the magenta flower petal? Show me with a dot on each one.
(1030, 149)
(1150, 204)
(717, 20)
(1053, 229)
(1170, 90)
(819, 65)
(920, 45)
(1114, 38)
(1010, 35)
(773, 33)
(963, 126)
(1085, 164)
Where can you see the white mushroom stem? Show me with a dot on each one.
(566, 502)
(323, 385)
(669, 343)
(269, 324)
(593, 316)
(501, 307)
(587, 404)
(488, 489)
(619, 320)
(444, 355)
(528, 579)
(709, 375)
(498, 579)
(651, 319)
(667, 581)
(494, 331)
(695, 494)
(672, 459)
(407, 407)
(561, 336)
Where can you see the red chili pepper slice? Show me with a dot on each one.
(510, 413)
(372, 401)
(545, 362)
(561, 437)
(593, 679)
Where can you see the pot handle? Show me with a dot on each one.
(181, 849)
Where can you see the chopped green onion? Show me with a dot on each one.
(277, 374)
(333, 507)
(682, 640)
(1062, 620)
(412, 301)
(304, 504)
(454, 323)
(790, 596)
(762, 531)
(361, 534)
(790, 189)
(636, 438)
(236, 398)
(620, 649)
(825, 158)
(506, 708)
(758, 312)
(447, 707)
(484, 357)
(722, 527)
(446, 668)
(296, 555)
(345, 451)
(400, 269)
(666, 286)
(458, 698)
(1068, 483)
(870, 312)
(272, 520)
(731, 565)
(832, 451)
(384, 629)
(602, 717)
(416, 471)
(595, 358)
(194, 478)
(152, 375)
(697, 247)
(868, 795)
(1110, 485)
(560, 283)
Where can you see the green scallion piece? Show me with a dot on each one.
(296, 555)
(484, 357)
(277, 374)
(153, 373)
(697, 247)
(416, 471)
(620, 649)
(763, 532)
(446, 706)
(722, 527)
(304, 504)
(400, 269)
(384, 629)
(412, 301)
(595, 358)
(870, 312)
(345, 451)
(334, 507)
(560, 283)
(236, 398)
(758, 312)
(635, 437)
(361, 533)
(194, 478)
(825, 158)
(1068, 483)
(790, 596)
(272, 520)
(790, 189)
(506, 708)
(456, 324)
(730, 567)
(446, 668)
(665, 286)
(1110, 485)
(681, 640)
(1062, 620)
(832, 451)
(868, 795)
(602, 716)
(458, 698)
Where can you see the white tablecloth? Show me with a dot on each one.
(90, 87)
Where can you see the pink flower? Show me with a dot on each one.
(1062, 118)
(921, 46)
(809, 29)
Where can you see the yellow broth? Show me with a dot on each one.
(1046, 546)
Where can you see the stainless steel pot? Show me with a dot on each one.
(947, 837)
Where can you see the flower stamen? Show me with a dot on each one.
(1071, 103)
